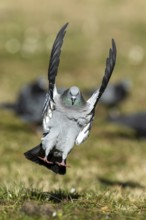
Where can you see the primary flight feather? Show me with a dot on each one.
(67, 117)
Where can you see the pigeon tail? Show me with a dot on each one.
(36, 152)
(33, 154)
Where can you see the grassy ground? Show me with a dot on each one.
(107, 178)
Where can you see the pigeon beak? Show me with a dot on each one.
(73, 98)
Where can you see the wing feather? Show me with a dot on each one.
(110, 64)
(92, 101)
(49, 104)
(55, 59)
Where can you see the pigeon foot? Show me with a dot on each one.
(45, 160)
(62, 164)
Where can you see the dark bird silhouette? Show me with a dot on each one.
(29, 102)
(135, 121)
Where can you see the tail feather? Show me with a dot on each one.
(37, 152)
(33, 154)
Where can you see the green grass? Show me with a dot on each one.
(107, 177)
(104, 203)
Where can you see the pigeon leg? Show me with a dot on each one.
(45, 157)
(62, 164)
(64, 156)
(45, 160)
(47, 146)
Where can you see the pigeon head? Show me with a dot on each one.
(74, 94)
(73, 97)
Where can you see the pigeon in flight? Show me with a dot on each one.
(67, 117)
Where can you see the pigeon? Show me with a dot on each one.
(114, 93)
(67, 117)
(135, 121)
(28, 105)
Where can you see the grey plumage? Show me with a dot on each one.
(67, 117)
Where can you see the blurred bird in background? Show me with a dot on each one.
(29, 102)
(135, 121)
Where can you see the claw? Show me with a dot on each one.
(45, 160)
(62, 164)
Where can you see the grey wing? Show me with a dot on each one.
(110, 64)
(48, 108)
(55, 59)
(49, 104)
(93, 100)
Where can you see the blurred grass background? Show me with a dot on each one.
(27, 32)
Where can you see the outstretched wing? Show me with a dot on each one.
(110, 64)
(55, 59)
(93, 100)
(49, 103)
